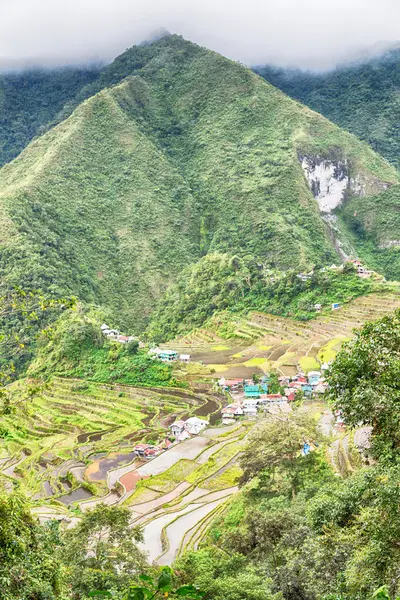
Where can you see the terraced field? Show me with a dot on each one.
(264, 342)
(176, 506)
(70, 443)
(174, 496)
(67, 436)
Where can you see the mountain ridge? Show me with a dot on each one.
(188, 153)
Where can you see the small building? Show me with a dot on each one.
(184, 358)
(335, 306)
(165, 444)
(250, 402)
(254, 391)
(184, 435)
(295, 385)
(317, 307)
(168, 355)
(177, 428)
(325, 366)
(231, 385)
(275, 398)
(152, 452)
(194, 425)
(307, 389)
(250, 411)
(104, 328)
(314, 377)
(320, 388)
(291, 396)
(140, 449)
(231, 411)
(226, 420)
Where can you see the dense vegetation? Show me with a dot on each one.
(362, 98)
(221, 281)
(30, 100)
(375, 223)
(315, 535)
(74, 346)
(189, 154)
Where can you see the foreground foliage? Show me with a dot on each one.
(364, 383)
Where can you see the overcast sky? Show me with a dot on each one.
(307, 33)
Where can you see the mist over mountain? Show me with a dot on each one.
(362, 97)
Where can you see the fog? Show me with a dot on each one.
(314, 34)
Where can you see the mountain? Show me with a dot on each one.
(175, 152)
(363, 98)
(30, 100)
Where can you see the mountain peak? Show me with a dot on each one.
(155, 36)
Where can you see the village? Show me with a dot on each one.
(252, 400)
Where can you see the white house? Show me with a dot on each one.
(250, 411)
(233, 410)
(320, 388)
(177, 428)
(195, 425)
(250, 403)
(184, 358)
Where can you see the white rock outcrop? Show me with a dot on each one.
(328, 181)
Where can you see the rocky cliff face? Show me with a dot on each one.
(328, 180)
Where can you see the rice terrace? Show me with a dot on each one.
(76, 443)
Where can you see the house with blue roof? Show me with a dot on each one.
(254, 391)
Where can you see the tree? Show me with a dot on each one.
(101, 551)
(361, 515)
(365, 383)
(275, 446)
(29, 564)
(224, 576)
(23, 316)
(163, 586)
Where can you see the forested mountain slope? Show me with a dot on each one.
(363, 98)
(190, 154)
(30, 100)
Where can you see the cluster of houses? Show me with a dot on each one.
(251, 400)
(169, 355)
(115, 335)
(180, 430)
(362, 271)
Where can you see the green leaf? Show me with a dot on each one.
(136, 594)
(165, 578)
(382, 593)
(187, 590)
(145, 578)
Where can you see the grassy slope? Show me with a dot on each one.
(99, 211)
(32, 99)
(362, 98)
(193, 153)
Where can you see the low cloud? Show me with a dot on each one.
(310, 33)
